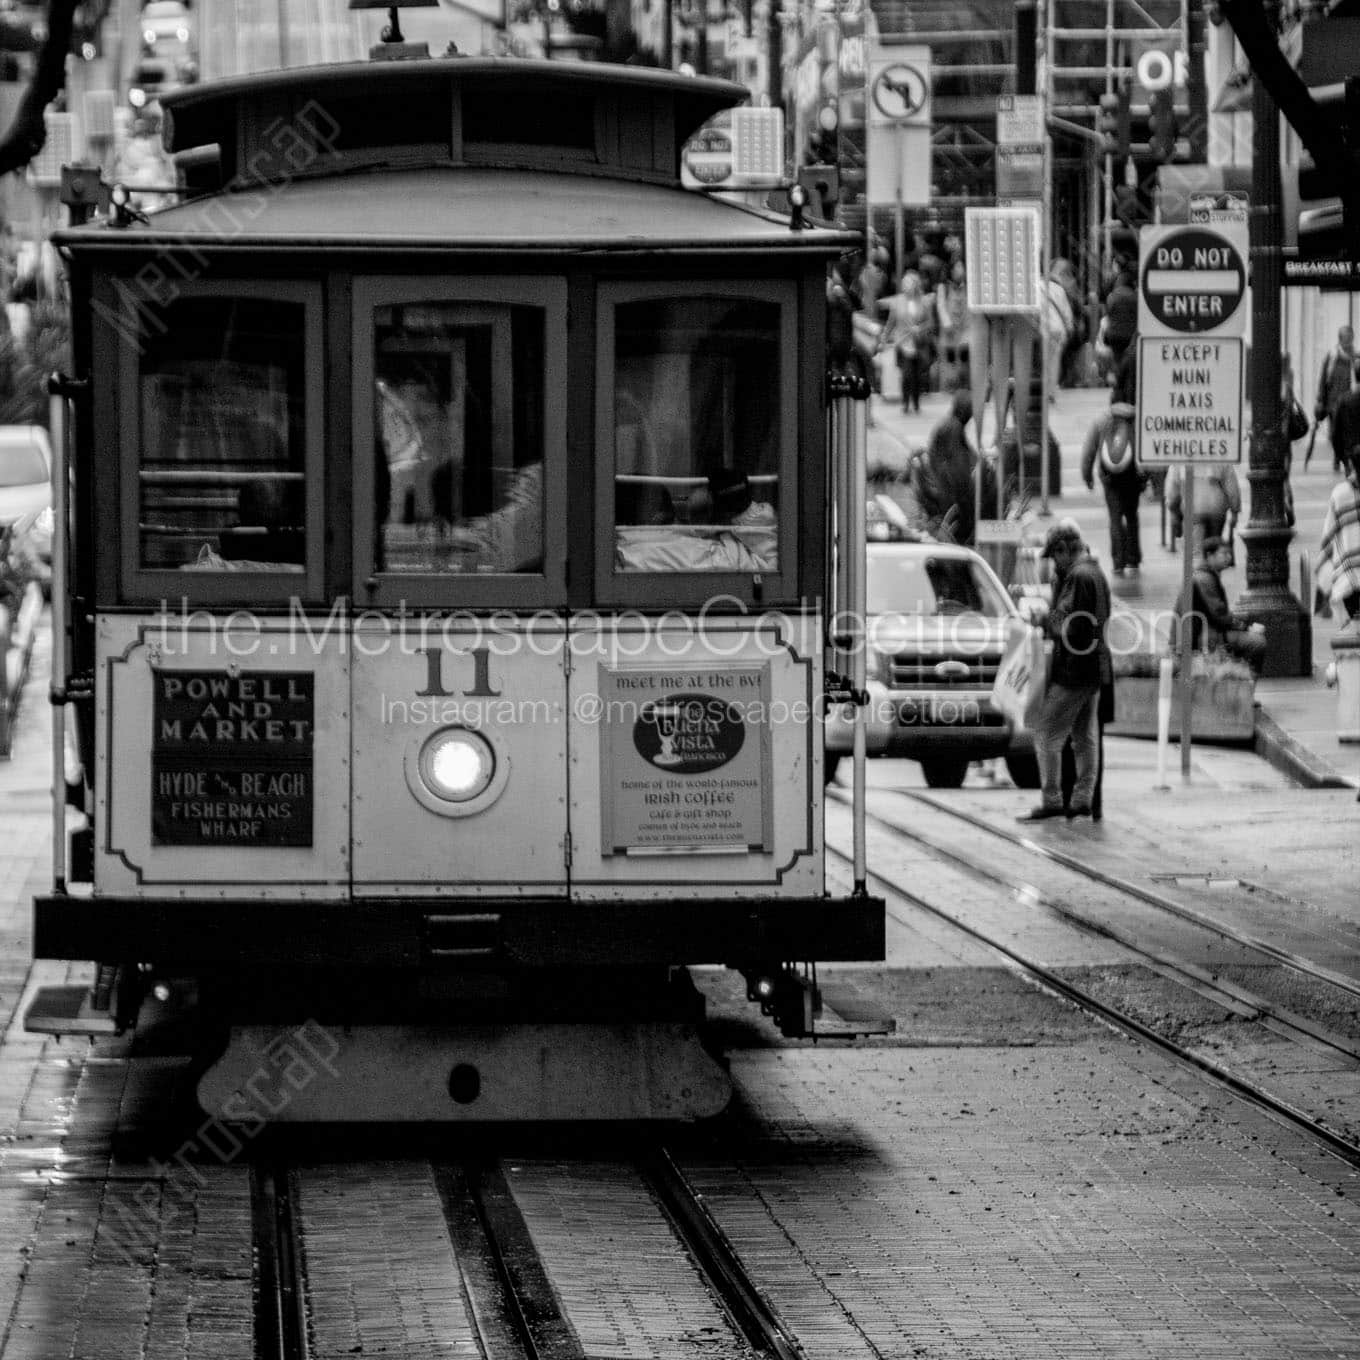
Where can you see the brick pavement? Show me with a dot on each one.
(1073, 1201)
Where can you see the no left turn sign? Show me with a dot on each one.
(1193, 280)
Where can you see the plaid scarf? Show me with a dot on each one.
(1341, 541)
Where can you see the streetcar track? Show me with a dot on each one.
(1209, 985)
(504, 1279)
(1149, 896)
(281, 1331)
(1247, 1090)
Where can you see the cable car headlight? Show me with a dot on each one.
(456, 771)
(136, 97)
(457, 764)
(149, 36)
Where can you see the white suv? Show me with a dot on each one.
(937, 618)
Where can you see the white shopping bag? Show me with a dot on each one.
(1023, 674)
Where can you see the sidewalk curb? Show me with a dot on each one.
(1274, 745)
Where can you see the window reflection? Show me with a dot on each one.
(221, 479)
(458, 470)
(696, 431)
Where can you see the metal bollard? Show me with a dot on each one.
(1344, 673)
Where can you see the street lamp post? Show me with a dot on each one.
(1267, 598)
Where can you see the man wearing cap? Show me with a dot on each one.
(1081, 664)
(1110, 447)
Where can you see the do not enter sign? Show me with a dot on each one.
(1193, 280)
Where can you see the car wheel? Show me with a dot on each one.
(1024, 771)
(945, 774)
(830, 763)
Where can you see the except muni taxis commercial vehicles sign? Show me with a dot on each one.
(1192, 312)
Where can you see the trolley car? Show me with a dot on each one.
(441, 625)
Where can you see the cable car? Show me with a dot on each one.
(442, 618)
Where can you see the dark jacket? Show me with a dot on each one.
(1127, 478)
(1211, 610)
(1076, 623)
(1346, 428)
(1121, 315)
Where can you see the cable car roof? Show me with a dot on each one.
(464, 210)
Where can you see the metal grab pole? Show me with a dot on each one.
(60, 524)
(855, 534)
(1186, 626)
(849, 455)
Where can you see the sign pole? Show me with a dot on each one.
(1188, 596)
(899, 227)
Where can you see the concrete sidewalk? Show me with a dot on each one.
(1296, 718)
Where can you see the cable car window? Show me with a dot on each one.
(221, 397)
(697, 435)
(459, 438)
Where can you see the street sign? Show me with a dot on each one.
(897, 138)
(1000, 531)
(1193, 280)
(1019, 119)
(1189, 400)
(1226, 205)
(900, 92)
(736, 149)
(1001, 259)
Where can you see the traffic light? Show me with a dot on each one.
(1113, 124)
(1162, 127)
(1129, 206)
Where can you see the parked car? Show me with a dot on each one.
(167, 28)
(936, 625)
(26, 496)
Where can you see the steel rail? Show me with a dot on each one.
(1148, 895)
(749, 1310)
(1199, 980)
(280, 1296)
(1246, 1090)
(511, 1301)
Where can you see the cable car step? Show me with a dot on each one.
(845, 1016)
(67, 1009)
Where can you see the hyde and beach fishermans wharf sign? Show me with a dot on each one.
(685, 758)
(231, 758)
(1192, 314)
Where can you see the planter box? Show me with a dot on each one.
(1222, 707)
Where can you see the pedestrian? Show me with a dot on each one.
(1345, 429)
(1120, 323)
(1081, 665)
(1293, 427)
(1338, 574)
(1057, 321)
(942, 476)
(1218, 499)
(951, 307)
(1109, 447)
(873, 282)
(910, 330)
(1335, 381)
(1212, 622)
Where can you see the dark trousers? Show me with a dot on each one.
(914, 369)
(1121, 501)
(1069, 772)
